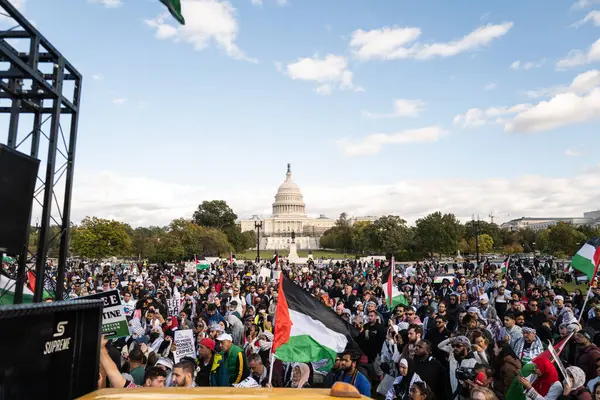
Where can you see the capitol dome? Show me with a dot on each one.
(289, 200)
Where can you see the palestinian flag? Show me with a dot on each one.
(505, 265)
(393, 296)
(587, 258)
(7, 292)
(275, 260)
(201, 264)
(306, 330)
(174, 7)
(516, 391)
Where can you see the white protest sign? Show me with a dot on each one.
(276, 275)
(184, 342)
(264, 273)
(173, 305)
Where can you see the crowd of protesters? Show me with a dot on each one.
(480, 333)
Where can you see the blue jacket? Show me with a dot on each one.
(361, 383)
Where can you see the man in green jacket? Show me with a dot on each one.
(234, 359)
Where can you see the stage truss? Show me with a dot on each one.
(39, 98)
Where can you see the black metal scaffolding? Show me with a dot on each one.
(38, 85)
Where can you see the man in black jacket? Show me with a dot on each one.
(437, 336)
(431, 371)
(372, 337)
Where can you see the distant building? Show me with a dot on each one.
(289, 215)
(589, 218)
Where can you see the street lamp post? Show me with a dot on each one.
(258, 226)
(476, 228)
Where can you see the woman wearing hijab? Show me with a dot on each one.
(300, 376)
(543, 384)
(575, 385)
(402, 384)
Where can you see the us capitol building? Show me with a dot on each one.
(289, 215)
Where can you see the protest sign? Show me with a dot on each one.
(114, 321)
(173, 305)
(265, 273)
(184, 342)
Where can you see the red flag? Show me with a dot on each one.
(31, 279)
(283, 323)
(558, 348)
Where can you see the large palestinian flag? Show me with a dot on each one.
(587, 258)
(306, 330)
(7, 291)
(393, 296)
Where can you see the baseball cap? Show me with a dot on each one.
(225, 336)
(208, 342)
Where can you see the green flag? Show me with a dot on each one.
(174, 7)
(515, 390)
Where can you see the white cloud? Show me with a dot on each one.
(119, 101)
(578, 103)
(148, 201)
(527, 65)
(563, 109)
(490, 86)
(593, 16)
(401, 43)
(372, 144)
(109, 3)
(573, 153)
(206, 22)
(476, 117)
(97, 77)
(329, 72)
(402, 108)
(580, 4)
(279, 2)
(582, 83)
(579, 57)
(19, 5)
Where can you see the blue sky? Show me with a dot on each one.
(381, 106)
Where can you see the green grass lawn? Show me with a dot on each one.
(583, 286)
(268, 254)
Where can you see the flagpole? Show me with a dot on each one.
(271, 363)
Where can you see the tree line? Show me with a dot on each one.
(210, 232)
(444, 234)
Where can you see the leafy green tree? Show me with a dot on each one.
(390, 234)
(437, 233)
(98, 238)
(214, 214)
(514, 248)
(493, 230)
(340, 237)
(542, 241)
(240, 241)
(364, 239)
(564, 238)
(486, 244)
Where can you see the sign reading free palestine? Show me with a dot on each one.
(114, 321)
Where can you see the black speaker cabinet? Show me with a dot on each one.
(18, 173)
(49, 350)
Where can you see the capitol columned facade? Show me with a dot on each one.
(289, 215)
